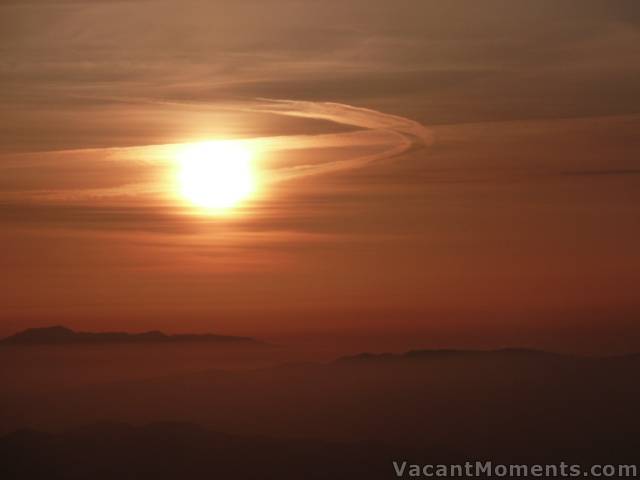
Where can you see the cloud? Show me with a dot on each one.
(613, 171)
(409, 135)
(90, 174)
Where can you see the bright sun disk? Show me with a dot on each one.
(216, 175)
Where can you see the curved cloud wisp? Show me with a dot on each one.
(98, 174)
(406, 134)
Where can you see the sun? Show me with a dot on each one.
(216, 175)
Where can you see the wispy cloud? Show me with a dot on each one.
(138, 171)
(589, 173)
(408, 134)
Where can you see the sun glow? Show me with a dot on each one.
(216, 175)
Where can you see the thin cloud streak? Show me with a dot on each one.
(390, 136)
(410, 134)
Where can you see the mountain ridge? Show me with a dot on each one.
(433, 354)
(61, 335)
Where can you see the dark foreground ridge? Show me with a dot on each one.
(340, 420)
(169, 450)
(60, 335)
(177, 451)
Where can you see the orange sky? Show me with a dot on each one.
(449, 173)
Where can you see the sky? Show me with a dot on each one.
(438, 174)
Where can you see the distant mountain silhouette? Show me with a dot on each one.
(59, 335)
(515, 353)
(508, 406)
(506, 402)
